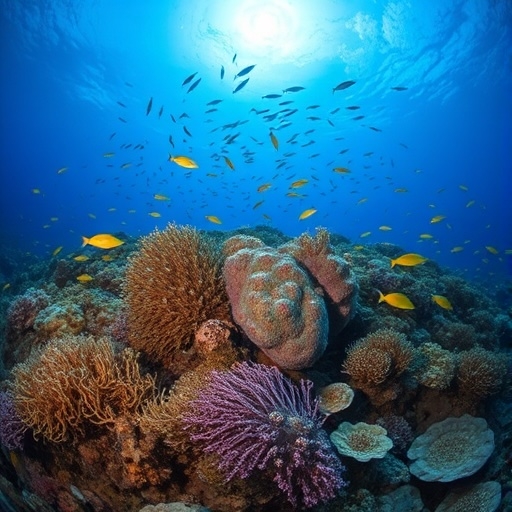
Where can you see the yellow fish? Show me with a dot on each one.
(183, 161)
(84, 278)
(57, 250)
(307, 213)
(401, 190)
(397, 300)
(294, 194)
(91, 215)
(108, 155)
(463, 187)
(363, 200)
(213, 218)
(274, 140)
(442, 301)
(385, 228)
(82, 257)
(409, 260)
(36, 191)
(365, 234)
(257, 205)
(62, 170)
(112, 209)
(457, 249)
(492, 249)
(437, 218)
(264, 187)
(358, 247)
(299, 183)
(54, 219)
(426, 236)
(126, 165)
(102, 241)
(5, 286)
(161, 197)
(107, 257)
(341, 170)
(155, 214)
(470, 203)
(229, 163)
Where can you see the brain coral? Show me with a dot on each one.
(275, 303)
(451, 449)
(173, 284)
(361, 441)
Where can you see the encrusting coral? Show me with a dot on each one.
(376, 362)
(173, 284)
(74, 381)
(451, 449)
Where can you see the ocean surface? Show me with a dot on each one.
(422, 126)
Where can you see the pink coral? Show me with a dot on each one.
(275, 303)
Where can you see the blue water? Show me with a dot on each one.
(446, 137)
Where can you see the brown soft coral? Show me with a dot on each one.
(173, 284)
(376, 362)
(75, 381)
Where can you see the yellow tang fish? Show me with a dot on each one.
(426, 236)
(457, 249)
(57, 250)
(274, 140)
(264, 187)
(161, 197)
(299, 183)
(397, 300)
(107, 257)
(213, 218)
(82, 257)
(442, 301)
(385, 228)
(154, 214)
(102, 241)
(409, 260)
(365, 234)
(437, 218)
(229, 163)
(307, 213)
(84, 278)
(36, 191)
(341, 170)
(492, 249)
(183, 161)
(108, 155)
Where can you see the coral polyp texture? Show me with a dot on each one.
(286, 300)
(253, 418)
(173, 284)
(77, 381)
(451, 449)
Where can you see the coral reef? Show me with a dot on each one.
(173, 284)
(335, 398)
(376, 362)
(12, 428)
(76, 381)
(253, 418)
(451, 449)
(361, 441)
(484, 496)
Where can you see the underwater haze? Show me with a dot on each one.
(380, 121)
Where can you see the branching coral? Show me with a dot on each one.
(173, 284)
(73, 381)
(480, 373)
(376, 362)
(252, 417)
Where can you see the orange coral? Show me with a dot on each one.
(77, 380)
(173, 284)
(375, 363)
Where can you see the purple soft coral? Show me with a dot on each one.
(12, 429)
(253, 417)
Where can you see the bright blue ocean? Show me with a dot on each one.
(424, 131)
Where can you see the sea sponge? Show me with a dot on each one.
(274, 302)
(361, 441)
(376, 362)
(480, 373)
(451, 449)
(483, 496)
(73, 381)
(173, 284)
(335, 397)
